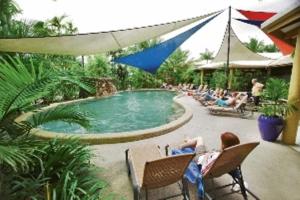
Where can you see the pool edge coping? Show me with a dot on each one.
(111, 138)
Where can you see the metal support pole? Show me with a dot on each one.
(228, 41)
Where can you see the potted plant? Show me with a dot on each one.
(274, 110)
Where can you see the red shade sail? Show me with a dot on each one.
(254, 15)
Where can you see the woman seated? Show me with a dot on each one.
(229, 101)
(203, 158)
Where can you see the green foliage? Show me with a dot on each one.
(24, 85)
(66, 113)
(270, 48)
(31, 168)
(258, 46)
(275, 90)
(98, 66)
(64, 172)
(120, 72)
(219, 79)
(8, 9)
(173, 69)
(206, 55)
(141, 79)
(241, 80)
(238, 80)
(255, 45)
(189, 76)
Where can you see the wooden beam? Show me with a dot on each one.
(284, 22)
(292, 34)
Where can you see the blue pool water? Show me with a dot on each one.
(125, 111)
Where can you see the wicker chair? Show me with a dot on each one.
(149, 169)
(229, 162)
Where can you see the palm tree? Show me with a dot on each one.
(175, 66)
(70, 28)
(255, 45)
(206, 55)
(8, 9)
(57, 25)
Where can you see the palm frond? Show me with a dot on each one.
(70, 172)
(18, 153)
(19, 87)
(67, 113)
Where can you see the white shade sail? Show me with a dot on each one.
(283, 61)
(241, 57)
(238, 51)
(250, 64)
(92, 43)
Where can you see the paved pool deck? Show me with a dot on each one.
(272, 170)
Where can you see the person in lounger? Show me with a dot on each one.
(230, 101)
(205, 159)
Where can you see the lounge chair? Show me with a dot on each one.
(229, 162)
(149, 169)
(236, 111)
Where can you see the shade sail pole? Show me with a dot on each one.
(228, 42)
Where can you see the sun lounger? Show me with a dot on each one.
(149, 169)
(229, 162)
(236, 111)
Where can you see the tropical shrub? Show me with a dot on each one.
(141, 79)
(173, 69)
(61, 170)
(219, 79)
(275, 90)
(37, 169)
(98, 66)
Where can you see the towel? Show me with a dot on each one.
(193, 171)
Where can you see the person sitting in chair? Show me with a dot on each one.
(230, 101)
(203, 158)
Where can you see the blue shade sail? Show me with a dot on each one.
(252, 22)
(151, 58)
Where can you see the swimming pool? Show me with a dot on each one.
(123, 112)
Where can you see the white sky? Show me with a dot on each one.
(105, 15)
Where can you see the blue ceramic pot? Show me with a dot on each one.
(270, 127)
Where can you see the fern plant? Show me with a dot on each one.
(31, 168)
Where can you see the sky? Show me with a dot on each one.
(106, 15)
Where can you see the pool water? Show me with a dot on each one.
(125, 111)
